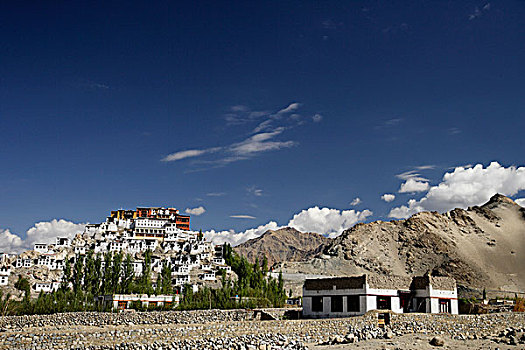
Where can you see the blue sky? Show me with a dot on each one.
(94, 98)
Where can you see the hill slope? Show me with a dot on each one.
(481, 247)
(286, 244)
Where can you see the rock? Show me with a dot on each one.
(437, 341)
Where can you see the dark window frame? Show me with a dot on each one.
(336, 303)
(317, 304)
(384, 302)
(353, 303)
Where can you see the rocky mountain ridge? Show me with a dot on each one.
(482, 247)
(285, 244)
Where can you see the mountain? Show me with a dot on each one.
(286, 244)
(482, 247)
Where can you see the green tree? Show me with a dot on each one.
(145, 279)
(78, 273)
(66, 277)
(127, 275)
(107, 273)
(97, 275)
(89, 273)
(23, 285)
(265, 265)
(116, 269)
(166, 287)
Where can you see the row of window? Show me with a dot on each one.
(336, 303)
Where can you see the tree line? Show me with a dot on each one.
(252, 288)
(89, 276)
(92, 275)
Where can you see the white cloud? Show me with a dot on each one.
(355, 201)
(467, 186)
(389, 123)
(10, 243)
(242, 216)
(41, 232)
(259, 143)
(411, 186)
(413, 174)
(291, 108)
(454, 131)
(520, 201)
(317, 118)
(188, 154)
(404, 211)
(263, 125)
(195, 211)
(475, 14)
(239, 108)
(270, 125)
(234, 238)
(216, 194)
(47, 231)
(388, 197)
(326, 221)
(255, 191)
(246, 149)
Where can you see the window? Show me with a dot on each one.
(317, 304)
(444, 306)
(353, 303)
(337, 303)
(383, 303)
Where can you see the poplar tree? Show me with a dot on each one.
(89, 273)
(166, 280)
(78, 273)
(145, 280)
(127, 275)
(66, 277)
(106, 276)
(115, 272)
(97, 275)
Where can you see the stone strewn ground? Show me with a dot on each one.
(236, 329)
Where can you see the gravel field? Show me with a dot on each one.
(239, 329)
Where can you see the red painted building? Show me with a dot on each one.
(182, 221)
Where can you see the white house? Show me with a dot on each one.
(435, 295)
(5, 272)
(46, 286)
(63, 242)
(182, 279)
(208, 276)
(80, 250)
(41, 248)
(4, 280)
(124, 301)
(350, 296)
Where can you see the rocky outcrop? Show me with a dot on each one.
(286, 244)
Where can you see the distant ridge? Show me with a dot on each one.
(285, 244)
(483, 246)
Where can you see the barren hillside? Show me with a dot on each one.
(481, 247)
(286, 244)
